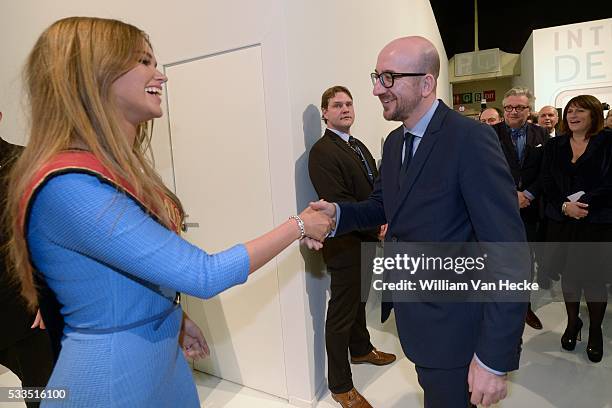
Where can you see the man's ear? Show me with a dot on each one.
(323, 114)
(428, 85)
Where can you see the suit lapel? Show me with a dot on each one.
(392, 163)
(369, 160)
(348, 149)
(592, 147)
(530, 143)
(508, 145)
(429, 140)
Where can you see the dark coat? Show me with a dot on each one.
(14, 318)
(592, 173)
(458, 189)
(526, 173)
(338, 174)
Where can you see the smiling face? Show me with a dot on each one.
(402, 99)
(578, 119)
(518, 116)
(137, 93)
(339, 114)
(410, 97)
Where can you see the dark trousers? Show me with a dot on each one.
(345, 327)
(31, 360)
(532, 231)
(445, 388)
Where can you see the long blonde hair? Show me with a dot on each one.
(68, 78)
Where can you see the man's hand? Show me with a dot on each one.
(312, 244)
(322, 207)
(382, 232)
(576, 209)
(317, 224)
(327, 208)
(486, 388)
(523, 200)
(192, 340)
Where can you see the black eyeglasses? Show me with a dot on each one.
(387, 78)
(519, 108)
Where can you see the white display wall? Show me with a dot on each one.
(571, 60)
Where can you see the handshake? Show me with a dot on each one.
(319, 220)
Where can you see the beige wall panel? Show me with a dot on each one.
(220, 155)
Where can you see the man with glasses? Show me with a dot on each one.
(523, 145)
(442, 179)
(341, 168)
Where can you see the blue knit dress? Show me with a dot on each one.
(109, 264)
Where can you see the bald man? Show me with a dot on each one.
(490, 116)
(443, 178)
(548, 119)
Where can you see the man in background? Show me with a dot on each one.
(523, 145)
(491, 116)
(548, 119)
(341, 168)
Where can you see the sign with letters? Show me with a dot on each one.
(489, 95)
(571, 60)
(476, 97)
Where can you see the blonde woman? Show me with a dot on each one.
(97, 223)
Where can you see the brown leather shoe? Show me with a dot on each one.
(375, 357)
(532, 320)
(351, 399)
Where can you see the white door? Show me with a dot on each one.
(220, 156)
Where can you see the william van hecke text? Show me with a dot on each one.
(449, 285)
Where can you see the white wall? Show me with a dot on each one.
(337, 43)
(573, 59)
(307, 46)
(526, 77)
(178, 30)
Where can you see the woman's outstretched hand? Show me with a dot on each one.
(317, 224)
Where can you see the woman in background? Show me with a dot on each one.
(577, 179)
(95, 220)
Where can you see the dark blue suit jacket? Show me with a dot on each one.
(458, 189)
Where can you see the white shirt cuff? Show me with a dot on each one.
(332, 233)
(489, 369)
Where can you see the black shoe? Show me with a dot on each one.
(571, 335)
(595, 344)
(532, 320)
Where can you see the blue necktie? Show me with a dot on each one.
(408, 146)
(519, 142)
(353, 144)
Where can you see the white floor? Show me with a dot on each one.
(548, 377)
